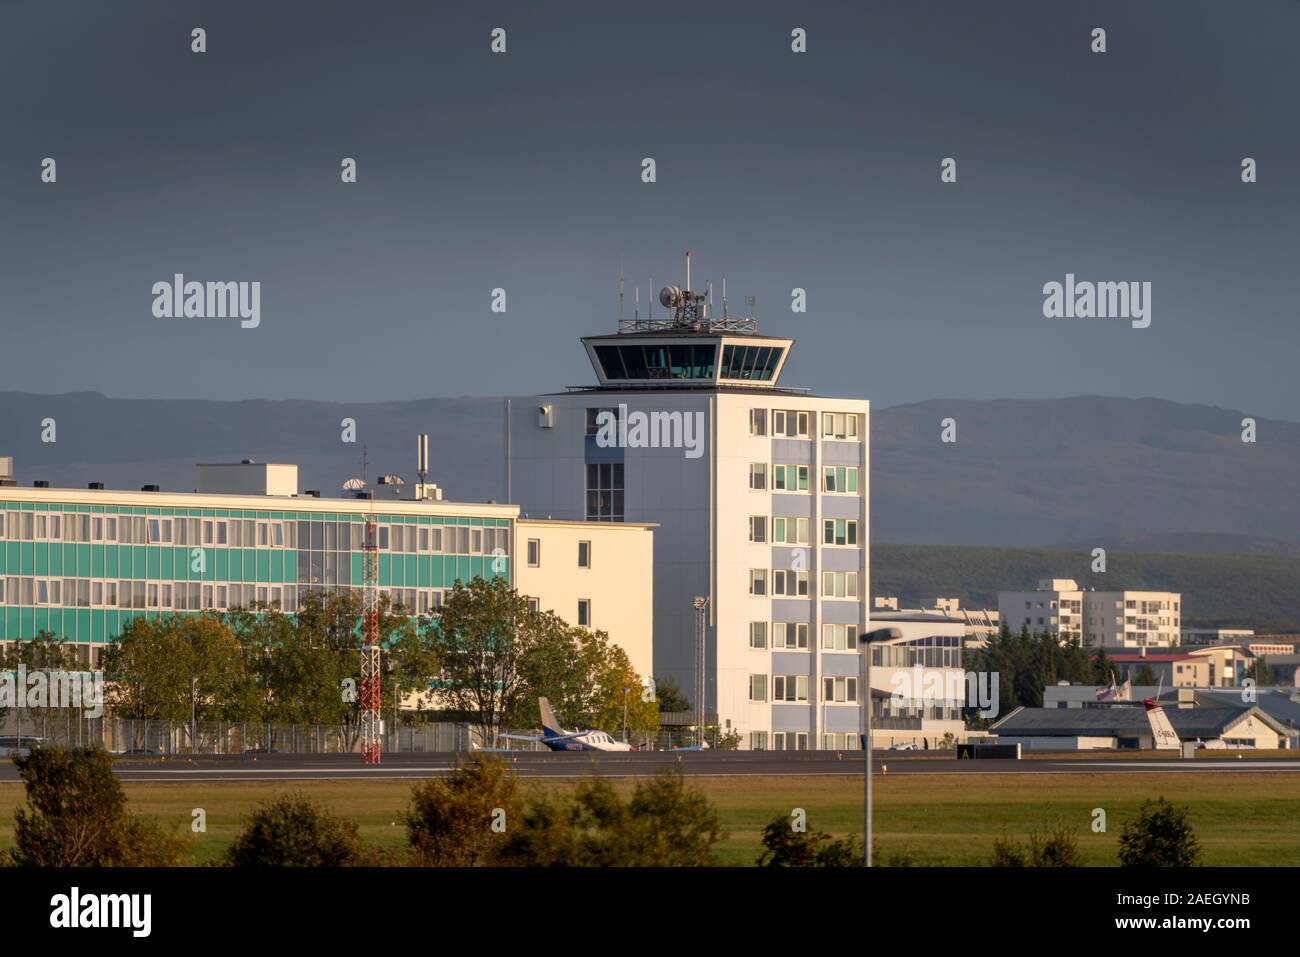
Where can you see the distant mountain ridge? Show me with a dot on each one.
(1121, 473)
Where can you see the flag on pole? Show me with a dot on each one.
(1109, 692)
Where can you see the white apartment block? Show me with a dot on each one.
(1056, 607)
(1132, 619)
(758, 495)
(1108, 619)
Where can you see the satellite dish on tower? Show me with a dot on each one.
(670, 297)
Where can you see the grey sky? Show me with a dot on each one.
(522, 171)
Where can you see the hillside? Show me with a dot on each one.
(1141, 474)
(1241, 591)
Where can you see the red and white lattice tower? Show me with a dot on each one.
(370, 673)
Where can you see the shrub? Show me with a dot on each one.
(786, 847)
(77, 816)
(291, 831)
(453, 821)
(1160, 836)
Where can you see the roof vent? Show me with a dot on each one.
(95, 485)
(312, 493)
(41, 483)
(150, 488)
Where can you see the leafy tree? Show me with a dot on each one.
(1160, 836)
(1102, 667)
(77, 816)
(497, 658)
(584, 675)
(1259, 672)
(669, 695)
(1145, 676)
(483, 633)
(302, 661)
(171, 667)
(1026, 663)
(46, 652)
(291, 831)
(785, 847)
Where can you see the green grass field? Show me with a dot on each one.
(936, 819)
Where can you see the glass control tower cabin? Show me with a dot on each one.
(759, 492)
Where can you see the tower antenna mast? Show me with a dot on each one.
(370, 662)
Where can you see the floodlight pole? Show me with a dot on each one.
(867, 639)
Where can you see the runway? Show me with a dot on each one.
(348, 767)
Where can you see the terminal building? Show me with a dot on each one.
(80, 563)
(758, 492)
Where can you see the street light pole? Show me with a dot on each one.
(700, 603)
(625, 690)
(867, 640)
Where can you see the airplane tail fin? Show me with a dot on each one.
(1162, 732)
(549, 725)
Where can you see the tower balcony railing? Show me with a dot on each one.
(747, 325)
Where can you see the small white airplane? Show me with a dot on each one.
(557, 739)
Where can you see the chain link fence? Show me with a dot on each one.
(67, 728)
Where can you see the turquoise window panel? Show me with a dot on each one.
(153, 564)
(138, 561)
(358, 571)
(111, 564)
(27, 565)
(219, 562)
(26, 623)
(250, 565)
(54, 559)
(423, 571)
(12, 624)
(463, 568)
(236, 557)
(96, 560)
(41, 621)
(263, 559)
(410, 575)
(167, 564)
(84, 631)
(70, 564)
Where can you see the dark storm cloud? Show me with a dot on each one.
(522, 171)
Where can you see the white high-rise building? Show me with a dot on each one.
(759, 495)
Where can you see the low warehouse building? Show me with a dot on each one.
(1127, 727)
